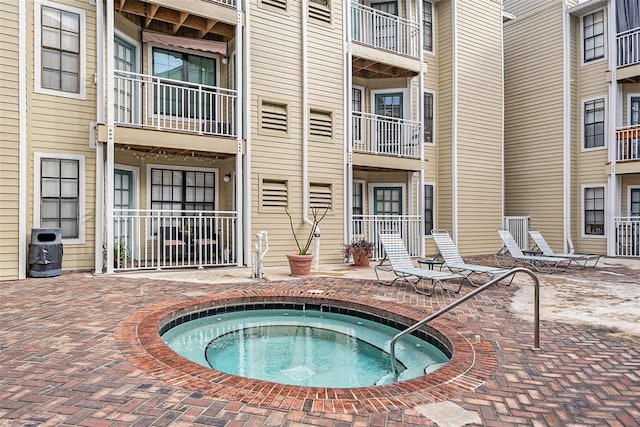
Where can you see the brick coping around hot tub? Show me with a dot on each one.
(472, 362)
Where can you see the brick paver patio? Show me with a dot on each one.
(64, 360)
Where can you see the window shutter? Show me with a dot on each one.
(274, 193)
(278, 4)
(274, 117)
(320, 10)
(320, 195)
(321, 124)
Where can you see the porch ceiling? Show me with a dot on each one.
(368, 69)
(154, 17)
(168, 152)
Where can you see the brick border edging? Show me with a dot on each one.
(471, 363)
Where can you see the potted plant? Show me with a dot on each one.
(300, 262)
(120, 253)
(360, 250)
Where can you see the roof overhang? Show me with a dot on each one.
(587, 7)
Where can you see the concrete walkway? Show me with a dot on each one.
(62, 361)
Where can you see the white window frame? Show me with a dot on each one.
(433, 29)
(582, 124)
(606, 37)
(216, 181)
(37, 177)
(37, 46)
(629, 189)
(582, 218)
(135, 197)
(361, 143)
(432, 184)
(372, 185)
(406, 100)
(629, 96)
(433, 113)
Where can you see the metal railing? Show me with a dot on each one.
(536, 313)
(227, 2)
(628, 143)
(369, 226)
(628, 47)
(518, 226)
(166, 104)
(155, 239)
(627, 236)
(375, 134)
(384, 31)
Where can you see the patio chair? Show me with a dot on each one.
(400, 264)
(173, 244)
(579, 260)
(512, 252)
(454, 262)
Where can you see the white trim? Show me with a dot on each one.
(606, 37)
(150, 46)
(133, 42)
(629, 96)
(583, 101)
(22, 140)
(454, 122)
(406, 100)
(629, 189)
(434, 114)
(566, 130)
(372, 185)
(37, 48)
(37, 157)
(583, 187)
(435, 226)
(135, 197)
(434, 38)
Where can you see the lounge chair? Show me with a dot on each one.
(454, 262)
(512, 252)
(580, 260)
(398, 261)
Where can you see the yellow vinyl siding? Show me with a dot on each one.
(534, 116)
(479, 123)
(9, 141)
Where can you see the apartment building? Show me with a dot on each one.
(572, 90)
(165, 134)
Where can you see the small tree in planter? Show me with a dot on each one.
(360, 250)
(300, 262)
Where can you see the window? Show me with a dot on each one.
(182, 189)
(59, 194)
(428, 118)
(427, 26)
(358, 208)
(320, 10)
(593, 32)
(357, 119)
(59, 49)
(593, 198)
(429, 209)
(593, 123)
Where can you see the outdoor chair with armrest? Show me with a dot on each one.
(399, 262)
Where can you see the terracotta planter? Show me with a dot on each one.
(361, 260)
(300, 265)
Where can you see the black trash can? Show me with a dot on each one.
(45, 252)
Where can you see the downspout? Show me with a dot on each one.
(566, 125)
(110, 138)
(240, 244)
(420, 193)
(454, 123)
(22, 140)
(305, 137)
(613, 193)
(348, 129)
(502, 156)
(246, 127)
(99, 145)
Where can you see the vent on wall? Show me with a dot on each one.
(320, 10)
(274, 117)
(278, 4)
(274, 193)
(319, 195)
(321, 124)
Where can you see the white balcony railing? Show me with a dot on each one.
(384, 31)
(628, 143)
(627, 236)
(368, 226)
(227, 2)
(628, 47)
(376, 134)
(165, 104)
(518, 226)
(154, 239)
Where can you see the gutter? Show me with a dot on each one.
(22, 140)
(454, 123)
(243, 228)
(348, 130)
(99, 145)
(110, 138)
(566, 134)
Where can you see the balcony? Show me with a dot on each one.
(163, 104)
(408, 226)
(385, 31)
(627, 236)
(628, 144)
(375, 134)
(156, 239)
(628, 47)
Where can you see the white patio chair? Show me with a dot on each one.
(580, 260)
(512, 252)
